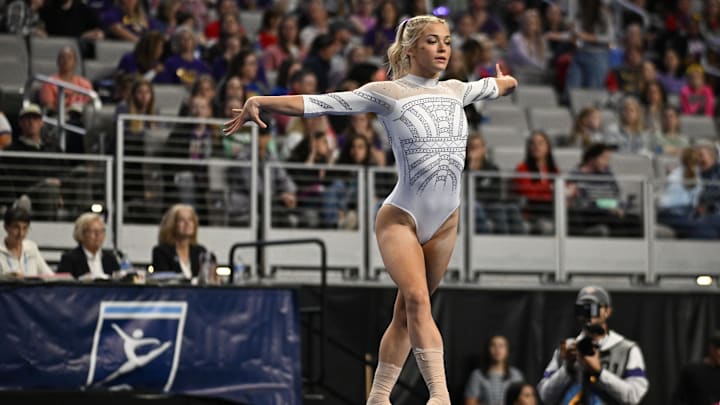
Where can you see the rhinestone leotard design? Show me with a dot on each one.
(426, 123)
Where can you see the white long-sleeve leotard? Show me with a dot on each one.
(428, 130)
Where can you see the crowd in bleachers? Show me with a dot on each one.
(640, 79)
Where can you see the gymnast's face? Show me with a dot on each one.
(431, 52)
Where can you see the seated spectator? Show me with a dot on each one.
(361, 124)
(709, 204)
(71, 18)
(493, 214)
(224, 8)
(229, 27)
(313, 149)
(204, 86)
(182, 67)
(628, 77)
(654, 99)
(298, 129)
(535, 184)
(89, 260)
(587, 128)
(228, 47)
(521, 393)
(127, 21)
(170, 17)
(631, 136)
(140, 102)
(488, 383)
(287, 69)
(287, 46)
(379, 38)
(317, 23)
(38, 179)
(178, 249)
(464, 29)
(671, 76)
(669, 140)
(30, 23)
(188, 183)
(697, 383)
(146, 58)
(678, 203)
(488, 60)
(528, 48)
(595, 206)
(5, 132)
(244, 66)
(710, 23)
(696, 97)
(341, 197)
(268, 33)
(487, 24)
(20, 257)
(284, 198)
(197, 11)
(362, 17)
(232, 88)
(318, 60)
(67, 64)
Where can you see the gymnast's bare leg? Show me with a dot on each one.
(416, 270)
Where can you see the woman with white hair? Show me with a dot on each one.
(88, 260)
(182, 67)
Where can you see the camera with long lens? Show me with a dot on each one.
(585, 312)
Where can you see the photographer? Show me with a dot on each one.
(599, 366)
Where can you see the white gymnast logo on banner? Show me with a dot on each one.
(137, 344)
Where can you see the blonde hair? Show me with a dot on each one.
(169, 223)
(83, 222)
(408, 33)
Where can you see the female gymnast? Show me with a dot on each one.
(416, 227)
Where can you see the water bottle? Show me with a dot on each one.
(239, 269)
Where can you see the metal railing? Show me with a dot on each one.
(61, 118)
(57, 188)
(149, 180)
(545, 242)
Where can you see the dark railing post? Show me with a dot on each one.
(323, 287)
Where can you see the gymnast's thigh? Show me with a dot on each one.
(400, 249)
(438, 250)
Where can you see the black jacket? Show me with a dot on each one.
(75, 262)
(165, 258)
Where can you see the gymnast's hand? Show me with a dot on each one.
(249, 112)
(506, 83)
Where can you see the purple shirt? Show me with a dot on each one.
(114, 15)
(128, 63)
(193, 69)
(672, 84)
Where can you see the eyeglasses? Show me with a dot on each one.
(95, 231)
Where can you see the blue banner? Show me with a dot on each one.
(238, 344)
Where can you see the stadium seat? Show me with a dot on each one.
(251, 21)
(109, 51)
(608, 118)
(530, 76)
(47, 48)
(581, 98)
(664, 164)
(46, 67)
(508, 157)
(500, 135)
(555, 121)
(698, 127)
(567, 159)
(169, 97)
(506, 115)
(13, 46)
(95, 69)
(13, 74)
(533, 95)
(632, 164)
